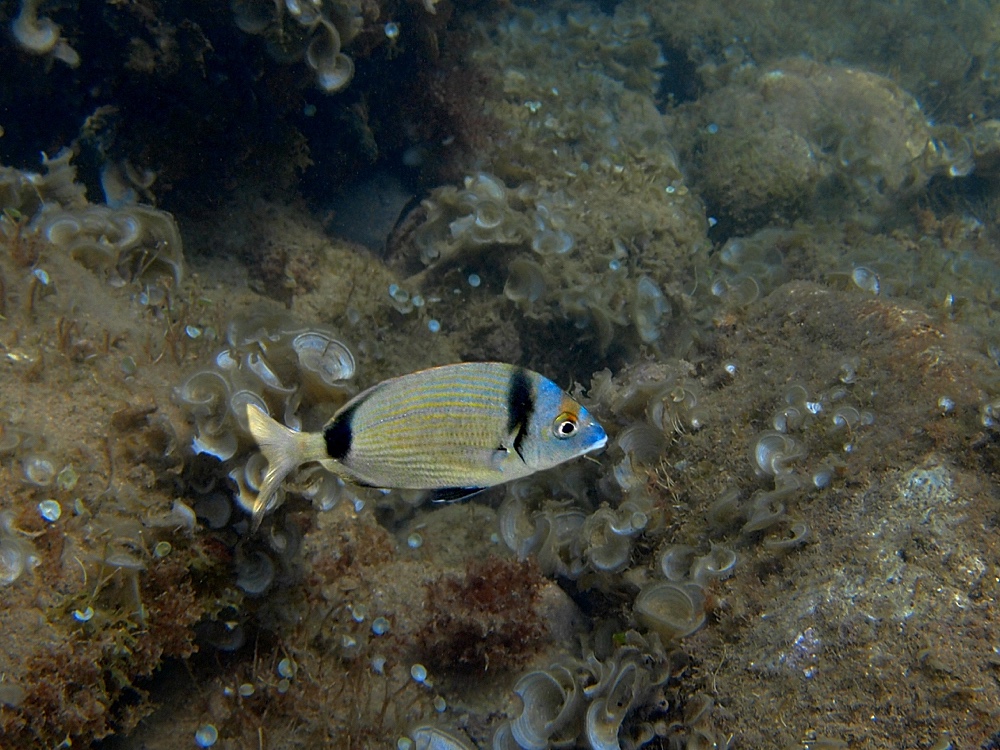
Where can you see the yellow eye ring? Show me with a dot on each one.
(565, 425)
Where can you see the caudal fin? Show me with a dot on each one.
(285, 450)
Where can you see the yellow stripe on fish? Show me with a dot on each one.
(455, 429)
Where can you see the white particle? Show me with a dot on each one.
(206, 735)
(50, 510)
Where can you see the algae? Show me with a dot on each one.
(758, 240)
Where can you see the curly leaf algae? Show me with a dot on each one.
(764, 236)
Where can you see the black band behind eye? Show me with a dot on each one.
(520, 406)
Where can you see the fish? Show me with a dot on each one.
(455, 430)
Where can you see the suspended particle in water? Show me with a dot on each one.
(287, 668)
(206, 735)
(66, 479)
(358, 613)
(866, 280)
(50, 510)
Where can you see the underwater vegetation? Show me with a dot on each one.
(757, 241)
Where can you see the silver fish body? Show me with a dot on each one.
(455, 429)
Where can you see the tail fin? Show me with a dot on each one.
(285, 450)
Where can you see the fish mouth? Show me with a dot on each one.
(599, 444)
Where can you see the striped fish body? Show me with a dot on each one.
(456, 429)
(469, 425)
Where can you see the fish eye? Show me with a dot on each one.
(565, 425)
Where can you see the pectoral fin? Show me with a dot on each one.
(511, 444)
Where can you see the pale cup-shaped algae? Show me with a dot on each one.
(253, 16)
(649, 308)
(9, 440)
(525, 281)
(210, 441)
(726, 510)
(335, 76)
(334, 69)
(718, 563)
(550, 701)
(766, 509)
(845, 416)
(306, 12)
(129, 230)
(38, 469)
(797, 534)
(255, 573)
(606, 550)
(61, 229)
(503, 739)
(324, 45)
(627, 477)
(263, 370)
(517, 527)
(434, 738)
(787, 419)
(552, 242)
(606, 713)
(13, 559)
(489, 214)
(673, 610)
(323, 355)
(675, 561)
(37, 35)
(487, 186)
(238, 403)
(774, 451)
(204, 392)
(642, 442)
